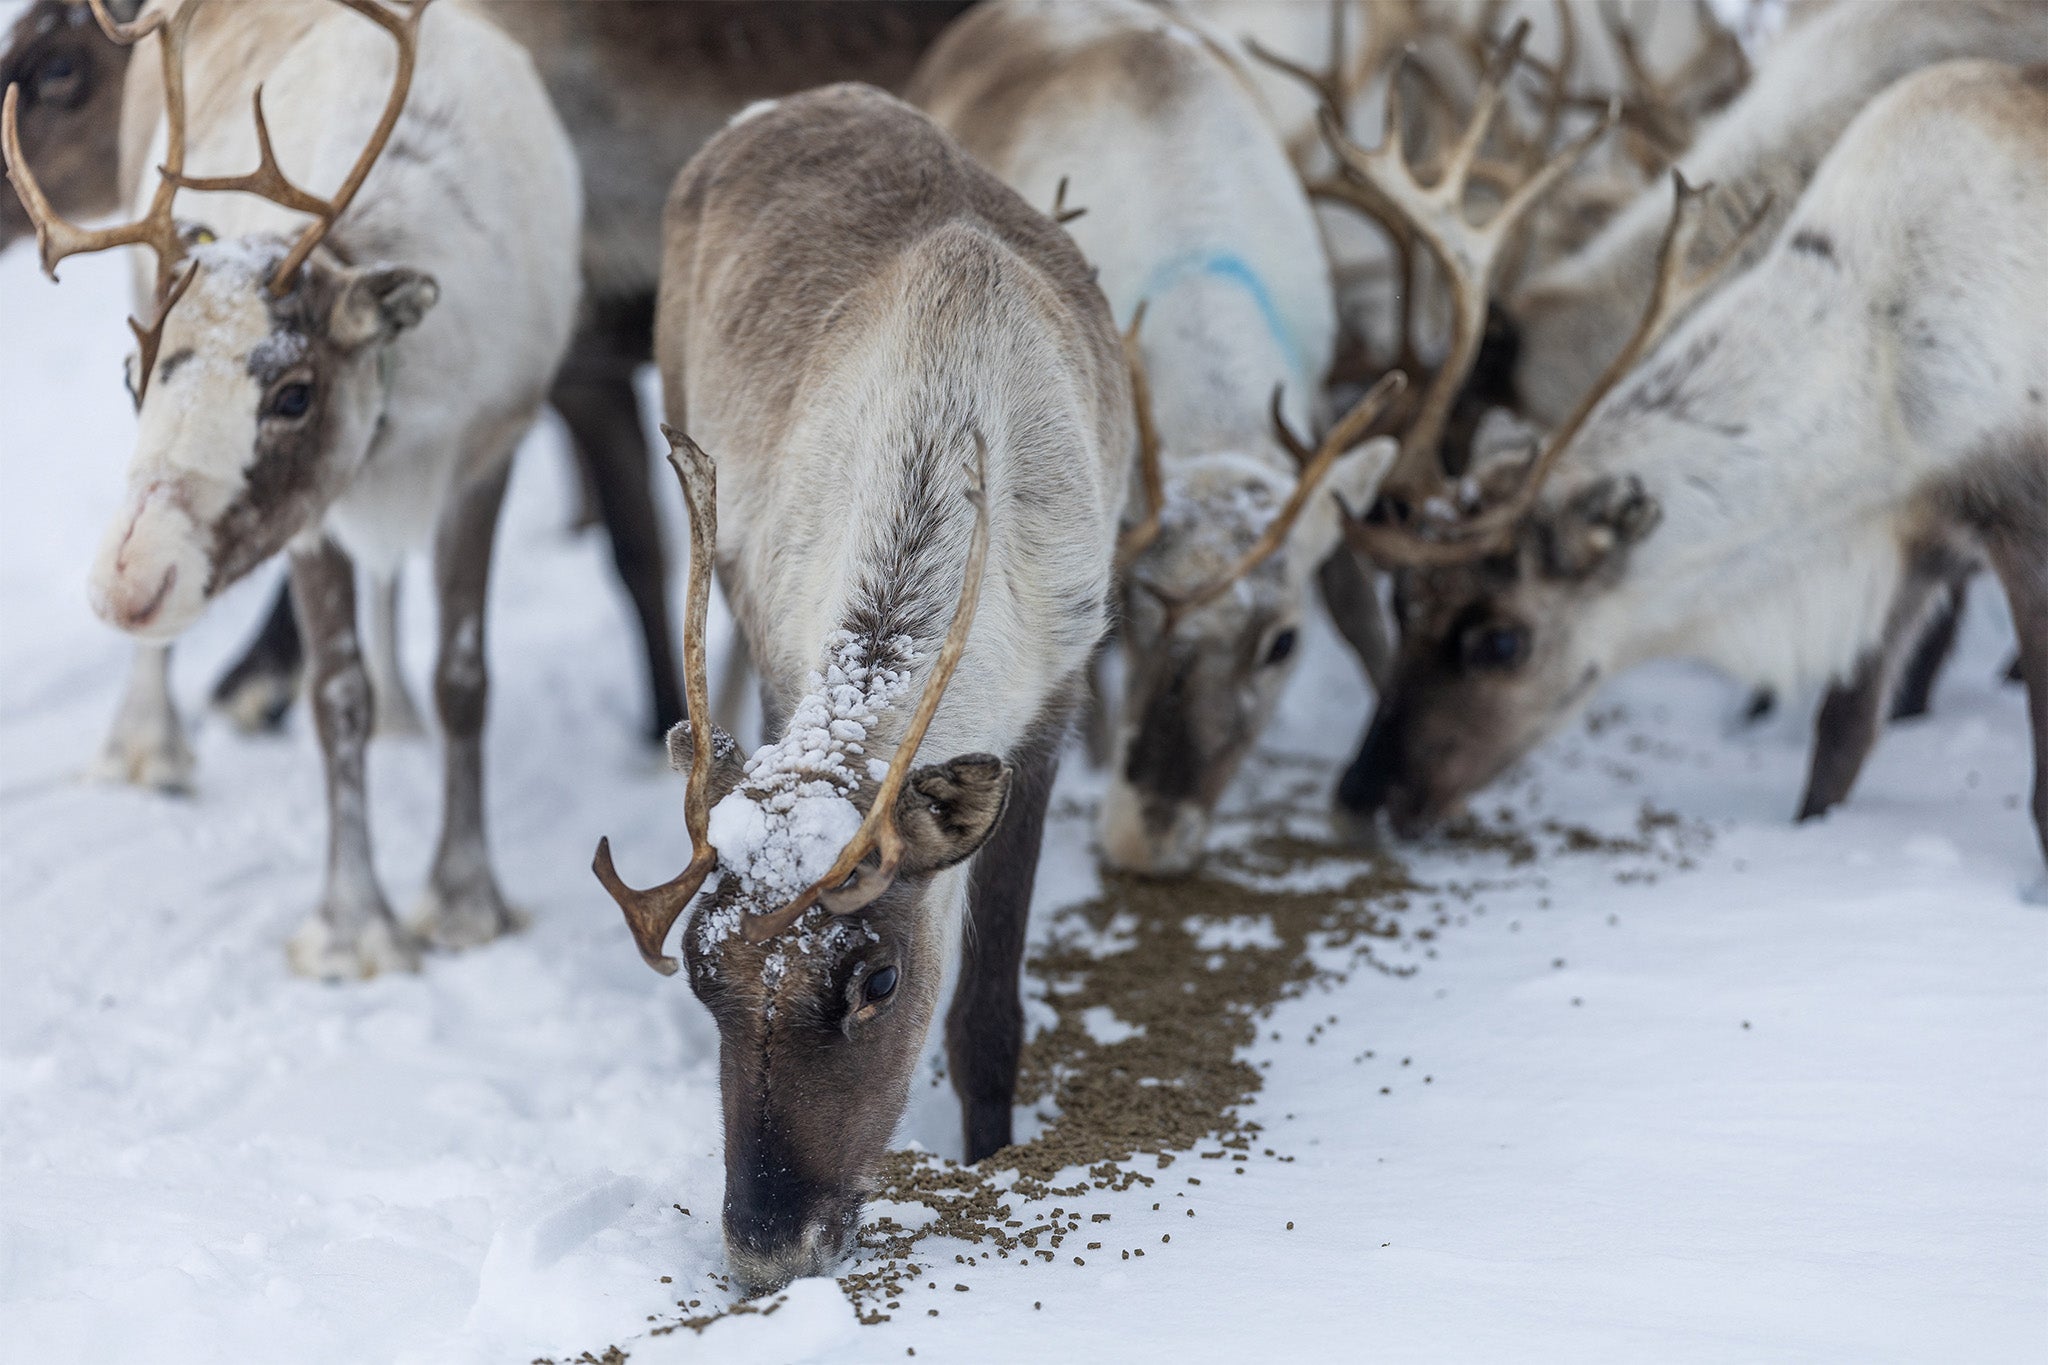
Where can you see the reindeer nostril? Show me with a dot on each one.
(144, 614)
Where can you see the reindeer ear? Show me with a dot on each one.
(1596, 524)
(1356, 475)
(948, 810)
(377, 302)
(727, 768)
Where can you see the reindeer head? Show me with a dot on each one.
(260, 410)
(70, 74)
(821, 948)
(1218, 574)
(1495, 653)
(259, 397)
(1500, 588)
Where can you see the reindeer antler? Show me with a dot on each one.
(878, 830)
(650, 914)
(58, 238)
(1137, 539)
(1349, 430)
(269, 181)
(1675, 290)
(1383, 184)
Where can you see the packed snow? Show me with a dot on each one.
(1787, 1102)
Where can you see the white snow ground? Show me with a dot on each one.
(1791, 1104)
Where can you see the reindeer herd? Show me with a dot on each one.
(990, 339)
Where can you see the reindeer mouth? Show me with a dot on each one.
(138, 617)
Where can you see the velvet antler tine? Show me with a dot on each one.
(1138, 538)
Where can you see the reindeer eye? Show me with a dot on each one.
(291, 401)
(1282, 648)
(881, 985)
(1494, 648)
(58, 81)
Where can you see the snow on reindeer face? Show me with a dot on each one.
(258, 413)
(820, 1025)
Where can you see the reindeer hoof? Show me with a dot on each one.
(327, 953)
(158, 760)
(256, 702)
(454, 920)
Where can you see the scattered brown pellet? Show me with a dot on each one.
(1290, 1225)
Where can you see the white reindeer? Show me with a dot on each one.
(1866, 404)
(863, 326)
(1193, 216)
(343, 390)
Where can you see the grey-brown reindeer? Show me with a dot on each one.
(1194, 217)
(1774, 483)
(1554, 331)
(345, 389)
(916, 408)
(639, 85)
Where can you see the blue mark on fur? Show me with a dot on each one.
(1229, 266)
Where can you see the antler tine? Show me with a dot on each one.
(57, 237)
(1061, 214)
(269, 181)
(1348, 431)
(651, 913)
(878, 829)
(1137, 539)
(1381, 182)
(1674, 291)
(1331, 87)
(1284, 433)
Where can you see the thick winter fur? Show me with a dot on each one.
(357, 415)
(1574, 316)
(847, 301)
(1194, 211)
(1870, 397)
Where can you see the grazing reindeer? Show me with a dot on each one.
(295, 388)
(1766, 489)
(639, 85)
(1194, 217)
(866, 326)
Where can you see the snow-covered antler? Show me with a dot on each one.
(848, 886)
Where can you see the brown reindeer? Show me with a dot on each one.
(922, 429)
(1774, 475)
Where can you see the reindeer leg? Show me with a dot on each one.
(1355, 609)
(258, 691)
(462, 905)
(146, 745)
(2023, 570)
(1937, 642)
(596, 399)
(352, 934)
(391, 707)
(985, 1026)
(1854, 711)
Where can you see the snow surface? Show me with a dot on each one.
(1790, 1104)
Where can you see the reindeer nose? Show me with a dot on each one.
(130, 604)
(1150, 835)
(817, 1249)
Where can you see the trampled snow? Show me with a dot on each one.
(1787, 1103)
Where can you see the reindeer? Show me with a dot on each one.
(1531, 347)
(640, 85)
(919, 411)
(1779, 482)
(1195, 220)
(344, 388)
